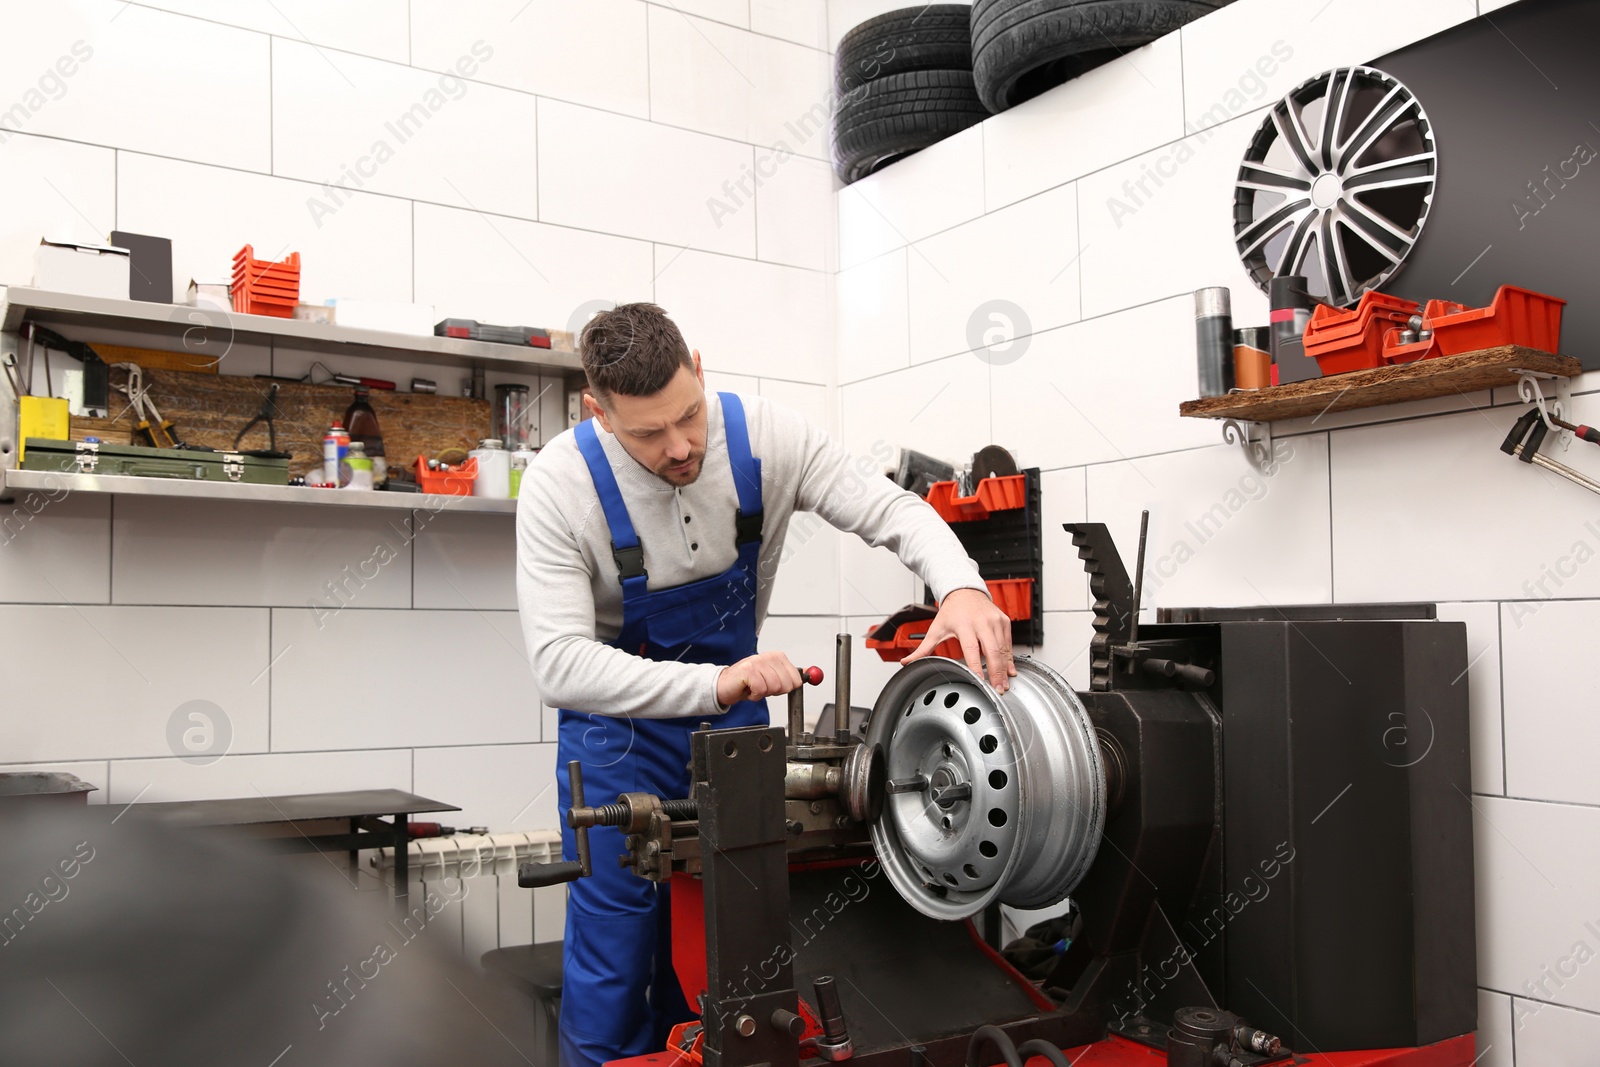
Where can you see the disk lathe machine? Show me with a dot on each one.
(1260, 816)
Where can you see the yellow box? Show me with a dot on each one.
(41, 416)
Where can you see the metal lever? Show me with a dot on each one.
(797, 703)
(539, 875)
(841, 690)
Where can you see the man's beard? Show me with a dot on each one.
(679, 478)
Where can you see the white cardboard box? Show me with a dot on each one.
(390, 315)
(88, 270)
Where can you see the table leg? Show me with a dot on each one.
(402, 860)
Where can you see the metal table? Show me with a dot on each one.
(308, 815)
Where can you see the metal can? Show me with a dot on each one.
(335, 447)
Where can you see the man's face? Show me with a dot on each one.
(664, 432)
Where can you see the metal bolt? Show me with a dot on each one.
(745, 1025)
(816, 807)
(787, 1022)
(795, 827)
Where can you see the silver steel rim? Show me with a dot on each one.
(1337, 184)
(1030, 828)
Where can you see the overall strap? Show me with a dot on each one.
(625, 549)
(746, 470)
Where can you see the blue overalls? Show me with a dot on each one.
(620, 995)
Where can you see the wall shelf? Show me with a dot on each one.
(1464, 373)
(206, 330)
(53, 483)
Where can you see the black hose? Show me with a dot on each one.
(1036, 1046)
(992, 1035)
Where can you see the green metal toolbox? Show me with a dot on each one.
(93, 457)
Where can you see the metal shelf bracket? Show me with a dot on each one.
(1256, 440)
(1531, 392)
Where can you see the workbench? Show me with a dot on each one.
(311, 822)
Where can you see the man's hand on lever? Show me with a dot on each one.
(766, 674)
(982, 628)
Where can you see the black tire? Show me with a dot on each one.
(897, 115)
(1020, 48)
(932, 37)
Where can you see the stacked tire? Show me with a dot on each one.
(1020, 48)
(909, 78)
(902, 81)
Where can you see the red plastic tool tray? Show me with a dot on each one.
(263, 287)
(1353, 340)
(994, 494)
(1014, 596)
(454, 482)
(1517, 317)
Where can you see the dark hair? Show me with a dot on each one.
(633, 349)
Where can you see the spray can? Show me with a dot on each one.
(1213, 328)
(1291, 313)
(335, 447)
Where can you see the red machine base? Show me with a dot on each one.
(1119, 1052)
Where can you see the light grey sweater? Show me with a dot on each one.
(568, 594)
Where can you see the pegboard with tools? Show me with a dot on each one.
(211, 409)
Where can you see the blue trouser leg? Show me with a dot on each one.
(620, 996)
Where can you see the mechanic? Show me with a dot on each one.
(647, 539)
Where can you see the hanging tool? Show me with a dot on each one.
(11, 374)
(148, 421)
(269, 408)
(1524, 440)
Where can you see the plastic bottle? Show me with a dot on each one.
(363, 424)
(494, 469)
(356, 471)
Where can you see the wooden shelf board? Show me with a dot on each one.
(1467, 372)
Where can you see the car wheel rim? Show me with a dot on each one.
(1011, 803)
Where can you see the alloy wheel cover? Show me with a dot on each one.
(1336, 184)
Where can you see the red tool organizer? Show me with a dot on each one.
(1368, 335)
(999, 524)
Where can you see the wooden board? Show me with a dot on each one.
(209, 409)
(1465, 373)
(155, 359)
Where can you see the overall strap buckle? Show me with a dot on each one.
(630, 561)
(747, 528)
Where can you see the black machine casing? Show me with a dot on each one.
(1334, 903)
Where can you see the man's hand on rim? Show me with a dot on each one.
(983, 630)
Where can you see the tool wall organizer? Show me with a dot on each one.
(999, 526)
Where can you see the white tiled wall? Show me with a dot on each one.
(509, 161)
(1104, 203)
(623, 150)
